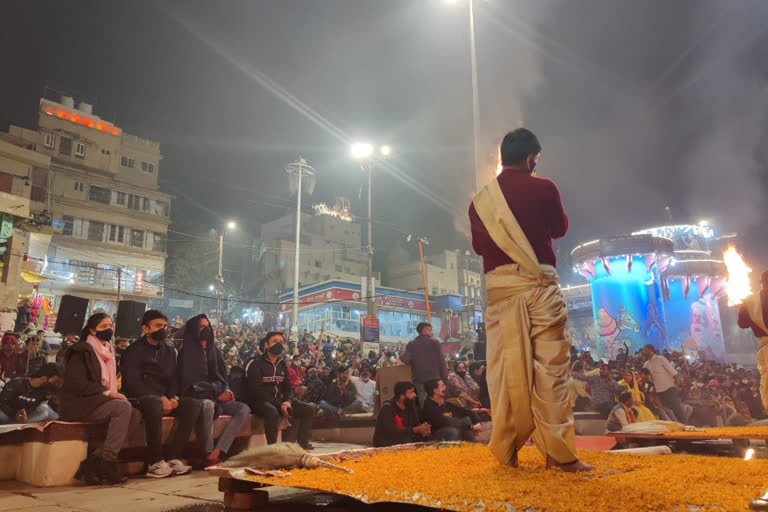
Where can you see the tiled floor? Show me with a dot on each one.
(194, 492)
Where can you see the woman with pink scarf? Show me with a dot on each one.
(89, 394)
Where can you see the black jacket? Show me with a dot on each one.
(23, 366)
(395, 426)
(339, 397)
(425, 358)
(23, 318)
(149, 370)
(447, 415)
(267, 382)
(82, 391)
(202, 371)
(19, 394)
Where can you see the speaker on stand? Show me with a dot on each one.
(128, 321)
(71, 316)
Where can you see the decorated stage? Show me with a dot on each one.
(468, 478)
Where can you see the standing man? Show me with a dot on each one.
(604, 389)
(270, 394)
(513, 220)
(151, 383)
(426, 360)
(754, 314)
(663, 377)
(23, 316)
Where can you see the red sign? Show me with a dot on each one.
(370, 321)
(139, 284)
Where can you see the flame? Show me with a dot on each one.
(498, 162)
(737, 286)
(750, 453)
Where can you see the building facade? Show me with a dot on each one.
(109, 220)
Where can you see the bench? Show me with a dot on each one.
(588, 423)
(51, 456)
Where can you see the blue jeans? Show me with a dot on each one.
(240, 413)
(356, 406)
(40, 414)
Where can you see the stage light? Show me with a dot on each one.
(211, 287)
(361, 150)
(231, 225)
(385, 151)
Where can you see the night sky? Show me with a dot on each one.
(638, 105)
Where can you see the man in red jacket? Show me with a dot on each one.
(514, 219)
(754, 314)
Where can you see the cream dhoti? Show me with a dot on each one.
(755, 308)
(527, 343)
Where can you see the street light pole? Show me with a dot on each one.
(220, 279)
(475, 96)
(299, 168)
(371, 299)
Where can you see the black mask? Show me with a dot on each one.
(206, 333)
(105, 335)
(159, 335)
(409, 401)
(461, 374)
(276, 349)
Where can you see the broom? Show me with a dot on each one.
(653, 427)
(278, 456)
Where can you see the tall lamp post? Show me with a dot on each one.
(231, 225)
(364, 153)
(298, 170)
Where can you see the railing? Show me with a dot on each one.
(140, 141)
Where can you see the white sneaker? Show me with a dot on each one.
(159, 469)
(178, 467)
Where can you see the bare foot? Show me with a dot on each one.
(571, 467)
(213, 458)
(513, 462)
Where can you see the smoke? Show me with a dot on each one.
(647, 111)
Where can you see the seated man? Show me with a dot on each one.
(30, 360)
(203, 375)
(622, 413)
(341, 397)
(269, 394)
(365, 387)
(604, 389)
(314, 387)
(21, 400)
(150, 382)
(398, 420)
(448, 422)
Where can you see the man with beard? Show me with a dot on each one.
(398, 420)
(31, 360)
(203, 375)
(754, 314)
(314, 386)
(21, 400)
(8, 355)
(270, 394)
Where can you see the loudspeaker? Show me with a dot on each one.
(128, 322)
(479, 351)
(71, 316)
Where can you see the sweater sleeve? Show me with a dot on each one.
(173, 385)
(130, 369)
(76, 378)
(558, 221)
(388, 429)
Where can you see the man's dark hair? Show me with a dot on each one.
(341, 369)
(422, 326)
(431, 386)
(237, 369)
(268, 336)
(473, 367)
(645, 371)
(651, 347)
(48, 370)
(152, 314)
(625, 396)
(578, 366)
(517, 145)
(402, 387)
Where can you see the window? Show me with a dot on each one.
(80, 150)
(134, 202)
(137, 238)
(127, 161)
(318, 264)
(49, 140)
(338, 268)
(120, 199)
(95, 231)
(159, 242)
(99, 194)
(120, 234)
(69, 224)
(162, 208)
(112, 233)
(78, 186)
(65, 146)
(148, 167)
(146, 204)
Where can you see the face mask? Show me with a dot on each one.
(159, 335)
(206, 334)
(365, 379)
(276, 349)
(105, 335)
(461, 374)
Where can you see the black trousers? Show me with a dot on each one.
(300, 416)
(187, 414)
(453, 434)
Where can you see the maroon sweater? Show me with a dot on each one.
(539, 211)
(745, 321)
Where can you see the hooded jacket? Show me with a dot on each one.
(149, 370)
(267, 382)
(201, 368)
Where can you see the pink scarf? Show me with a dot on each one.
(106, 357)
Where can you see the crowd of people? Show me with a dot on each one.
(196, 372)
(649, 385)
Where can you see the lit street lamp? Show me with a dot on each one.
(231, 225)
(365, 154)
